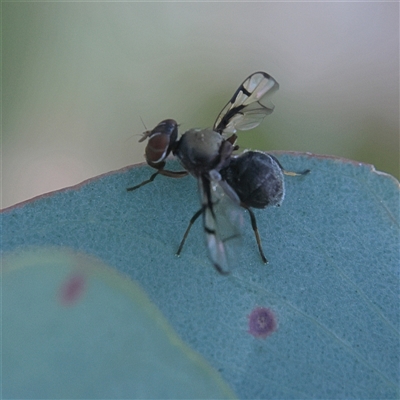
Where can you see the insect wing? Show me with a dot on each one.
(222, 221)
(244, 110)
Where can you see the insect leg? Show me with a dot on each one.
(292, 173)
(191, 222)
(170, 174)
(173, 174)
(256, 233)
(289, 173)
(151, 179)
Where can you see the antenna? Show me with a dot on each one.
(145, 127)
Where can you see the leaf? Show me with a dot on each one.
(73, 328)
(332, 281)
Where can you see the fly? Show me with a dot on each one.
(227, 183)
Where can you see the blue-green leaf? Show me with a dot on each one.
(332, 282)
(73, 328)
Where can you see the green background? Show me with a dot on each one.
(77, 77)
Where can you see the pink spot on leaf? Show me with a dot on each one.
(72, 289)
(262, 322)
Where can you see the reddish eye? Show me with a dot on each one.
(161, 140)
(157, 147)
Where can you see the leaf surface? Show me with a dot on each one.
(74, 328)
(332, 281)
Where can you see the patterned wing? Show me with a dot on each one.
(244, 110)
(222, 221)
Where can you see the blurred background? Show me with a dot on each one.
(77, 78)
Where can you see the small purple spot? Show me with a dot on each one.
(72, 289)
(262, 322)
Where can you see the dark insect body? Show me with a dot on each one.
(227, 183)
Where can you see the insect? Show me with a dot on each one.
(227, 183)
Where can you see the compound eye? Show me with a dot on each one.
(168, 127)
(161, 140)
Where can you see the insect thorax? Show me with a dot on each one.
(199, 150)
